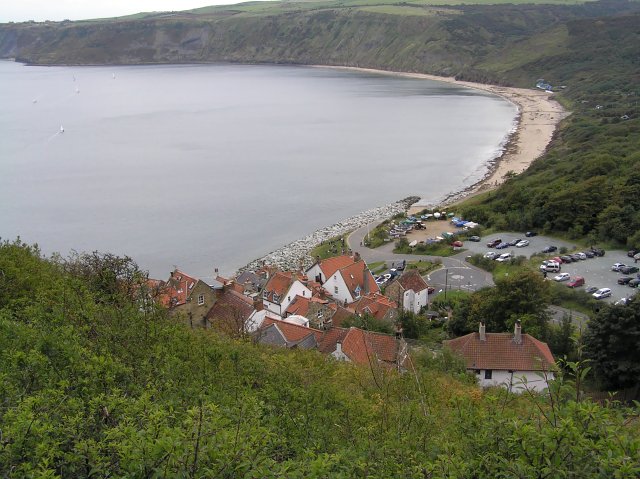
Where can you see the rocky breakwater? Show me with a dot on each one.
(294, 254)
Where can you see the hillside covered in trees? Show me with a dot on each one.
(98, 382)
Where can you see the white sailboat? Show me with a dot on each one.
(61, 129)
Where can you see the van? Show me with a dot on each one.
(551, 267)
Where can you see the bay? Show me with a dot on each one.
(211, 166)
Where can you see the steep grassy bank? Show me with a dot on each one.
(96, 383)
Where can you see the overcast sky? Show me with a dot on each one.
(40, 10)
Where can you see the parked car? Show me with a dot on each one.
(530, 234)
(550, 267)
(575, 257)
(624, 279)
(575, 282)
(494, 243)
(597, 251)
(522, 244)
(566, 259)
(632, 252)
(457, 244)
(550, 249)
(617, 266)
(591, 289)
(623, 301)
(514, 242)
(589, 253)
(602, 293)
(502, 245)
(475, 239)
(581, 255)
(491, 255)
(562, 277)
(629, 269)
(634, 283)
(504, 257)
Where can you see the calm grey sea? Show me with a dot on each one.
(204, 166)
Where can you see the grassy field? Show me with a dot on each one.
(333, 247)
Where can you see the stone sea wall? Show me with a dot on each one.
(292, 255)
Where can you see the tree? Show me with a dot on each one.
(611, 342)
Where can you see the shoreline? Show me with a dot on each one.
(535, 124)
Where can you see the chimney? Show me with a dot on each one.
(483, 335)
(356, 257)
(517, 333)
(338, 348)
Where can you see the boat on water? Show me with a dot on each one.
(61, 129)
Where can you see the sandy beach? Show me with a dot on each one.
(538, 116)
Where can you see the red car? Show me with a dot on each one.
(575, 282)
(457, 244)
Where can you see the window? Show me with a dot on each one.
(320, 314)
(487, 374)
(276, 298)
(200, 299)
(265, 294)
(335, 290)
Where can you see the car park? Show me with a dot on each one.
(475, 239)
(530, 234)
(629, 269)
(624, 280)
(602, 293)
(617, 266)
(504, 257)
(562, 277)
(550, 249)
(522, 243)
(494, 243)
(576, 282)
(502, 245)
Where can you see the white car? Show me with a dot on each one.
(602, 293)
(522, 244)
(562, 277)
(504, 257)
(617, 266)
(581, 255)
(491, 255)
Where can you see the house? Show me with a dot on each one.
(280, 290)
(191, 298)
(353, 344)
(410, 290)
(345, 278)
(377, 306)
(231, 313)
(515, 361)
(251, 281)
(317, 310)
(364, 347)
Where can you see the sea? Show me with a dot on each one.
(211, 166)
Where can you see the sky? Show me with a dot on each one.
(56, 10)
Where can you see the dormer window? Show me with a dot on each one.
(357, 292)
(265, 294)
(276, 298)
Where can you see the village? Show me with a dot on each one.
(313, 307)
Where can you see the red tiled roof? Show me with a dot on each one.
(355, 275)
(330, 265)
(500, 351)
(278, 284)
(375, 304)
(230, 312)
(412, 280)
(340, 315)
(179, 287)
(361, 347)
(299, 305)
(292, 332)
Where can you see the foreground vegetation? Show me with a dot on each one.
(96, 383)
